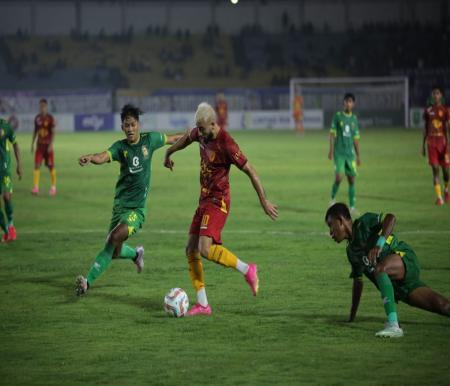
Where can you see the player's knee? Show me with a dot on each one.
(338, 179)
(117, 236)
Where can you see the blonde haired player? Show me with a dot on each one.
(218, 151)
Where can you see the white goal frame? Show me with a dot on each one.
(403, 80)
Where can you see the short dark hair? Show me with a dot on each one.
(43, 100)
(338, 210)
(130, 111)
(349, 95)
(437, 87)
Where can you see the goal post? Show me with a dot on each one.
(380, 101)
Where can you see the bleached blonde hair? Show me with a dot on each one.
(205, 113)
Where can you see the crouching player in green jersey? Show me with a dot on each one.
(134, 153)
(373, 250)
(344, 143)
(7, 136)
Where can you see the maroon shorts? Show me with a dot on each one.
(209, 219)
(42, 153)
(438, 154)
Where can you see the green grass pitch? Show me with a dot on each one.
(294, 332)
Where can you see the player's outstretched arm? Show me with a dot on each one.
(270, 209)
(356, 297)
(18, 161)
(96, 159)
(386, 230)
(180, 144)
(171, 139)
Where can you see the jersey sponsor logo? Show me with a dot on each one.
(137, 167)
(367, 263)
(347, 131)
(211, 155)
(437, 123)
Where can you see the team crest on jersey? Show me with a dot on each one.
(145, 151)
(125, 153)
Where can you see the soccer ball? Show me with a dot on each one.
(176, 302)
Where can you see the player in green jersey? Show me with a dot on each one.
(344, 149)
(134, 153)
(7, 137)
(373, 250)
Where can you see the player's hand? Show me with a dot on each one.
(423, 151)
(270, 209)
(373, 255)
(84, 160)
(50, 147)
(358, 161)
(168, 163)
(19, 171)
(330, 155)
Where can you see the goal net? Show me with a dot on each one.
(380, 101)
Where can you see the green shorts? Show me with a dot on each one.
(6, 183)
(133, 217)
(403, 288)
(345, 164)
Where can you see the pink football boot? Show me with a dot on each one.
(252, 278)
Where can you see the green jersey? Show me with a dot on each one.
(365, 233)
(133, 184)
(345, 128)
(7, 135)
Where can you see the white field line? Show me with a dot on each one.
(238, 232)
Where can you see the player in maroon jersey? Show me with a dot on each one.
(44, 131)
(437, 118)
(221, 111)
(218, 151)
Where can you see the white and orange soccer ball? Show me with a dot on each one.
(176, 303)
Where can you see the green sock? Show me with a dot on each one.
(2, 222)
(127, 252)
(387, 295)
(9, 211)
(101, 263)
(351, 195)
(334, 190)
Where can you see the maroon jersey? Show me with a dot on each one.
(222, 112)
(436, 118)
(43, 126)
(216, 156)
